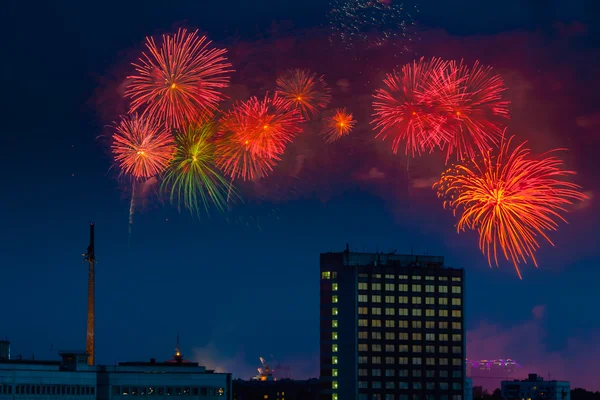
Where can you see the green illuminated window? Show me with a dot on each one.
(334, 360)
(334, 384)
(334, 323)
(325, 275)
(334, 311)
(334, 299)
(334, 348)
(334, 336)
(334, 396)
(334, 287)
(334, 372)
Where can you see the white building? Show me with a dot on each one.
(72, 378)
(535, 388)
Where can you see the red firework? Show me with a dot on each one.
(304, 90)
(406, 111)
(471, 100)
(264, 127)
(338, 126)
(142, 148)
(179, 82)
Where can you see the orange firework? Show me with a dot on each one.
(406, 111)
(179, 82)
(304, 90)
(472, 102)
(510, 200)
(142, 148)
(339, 125)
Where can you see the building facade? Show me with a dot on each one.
(535, 388)
(391, 327)
(72, 378)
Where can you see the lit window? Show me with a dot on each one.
(430, 361)
(429, 300)
(389, 286)
(443, 325)
(334, 348)
(363, 310)
(334, 372)
(403, 324)
(430, 336)
(443, 361)
(456, 313)
(443, 313)
(417, 324)
(390, 348)
(334, 311)
(403, 360)
(375, 360)
(334, 396)
(334, 360)
(377, 276)
(443, 278)
(429, 278)
(403, 277)
(456, 349)
(429, 288)
(417, 312)
(334, 336)
(375, 286)
(403, 299)
(403, 287)
(376, 347)
(376, 311)
(417, 348)
(443, 349)
(443, 289)
(416, 360)
(429, 325)
(403, 348)
(376, 298)
(363, 347)
(456, 301)
(334, 323)
(334, 384)
(456, 337)
(376, 323)
(325, 275)
(390, 311)
(403, 335)
(363, 359)
(417, 336)
(390, 299)
(362, 372)
(389, 323)
(389, 276)
(443, 337)
(429, 349)
(363, 335)
(430, 313)
(363, 322)
(334, 287)
(390, 335)
(362, 286)
(334, 299)
(376, 335)
(443, 301)
(416, 300)
(456, 278)
(456, 325)
(416, 278)
(403, 311)
(363, 298)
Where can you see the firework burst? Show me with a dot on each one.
(404, 110)
(264, 126)
(192, 179)
(142, 148)
(179, 82)
(338, 126)
(304, 90)
(511, 200)
(472, 102)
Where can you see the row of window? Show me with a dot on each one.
(333, 275)
(429, 312)
(378, 396)
(81, 390)
(403, 287)
(403, 336)
(168, 391)
(404, 348)
(414, 324)
(375, 298)
(403, 373)
(406, 386)
(405, 360)
(390, 323)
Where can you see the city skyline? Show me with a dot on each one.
(234, 283)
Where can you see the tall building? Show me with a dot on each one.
(391, 327)
(535, 388)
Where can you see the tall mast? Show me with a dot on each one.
(90, 257)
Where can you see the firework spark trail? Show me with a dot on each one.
(509, 200)
(404, 110)
(341, 124)
(304, 90)
(179, 82)
(131, 212)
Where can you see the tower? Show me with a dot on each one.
(90, 257)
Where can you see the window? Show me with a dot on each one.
(429, 324)
(364, 396)
(363, 335)
(416, 373)
(362, 286)
(403, 277)
(389, 385)
(442, 301)
(375, 347)
(375, 286)
(376, 372)
(430, 386)
(325, 275)
(402, 299)
(334, 311)
(376, 311)
(390, 335)
(403, 287)
(334, 360)
(376, 298)
(416, 300)
(456, 279)
(390, 348)
(389, 286)
(390, 372)
(417, 324)
(403, 324)
(376, 335)
(456, 325)
(444, 385)
(390, 299)
(362, 372)
(443, 361)
(457, 338)
(376, 323)
(429, 288)
(443, 349)
(456, 362)
(416, 288)
(443, 313)
(363, 347)
(403, 385)
(429, 349)
(389, 276)
(334, 287)
(363, 298)
(403, 311)
(334, 299)
(430, 361)
(443, 325)
(443, 289)
(458, 374)
(334, 336)
(456, 386)
(416, 385)
(456, 301)
(334, 372)
(389, 323)
(443, 278)
(417, 348)
(417, 336)
(403, 336)
(377, 276)
(416, 312)
(456, 313)
(334, 384)
(363, 322)
(430, 313)
(443, 374)
(456, 397)
(402, 360)
(429, 278)
(430, 336)
(429, 300)
(456, 289)
(334, 323)
(403, 348)
(443, 337)
(334, 348)
(363, 310)
(416, 278)
(363, 384)
(430, 373)
(376, 360)
(390, 311)
(403, 373)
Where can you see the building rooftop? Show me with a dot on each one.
(380, 258)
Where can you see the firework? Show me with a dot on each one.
(265, 126)
(192, 178)
(304, 90)
(406, 111)
(179, 82)
(474, 109)
(511, 200)
(142, 147)
(338, 126)
(372, 22)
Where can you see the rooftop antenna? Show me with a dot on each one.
(90, 257)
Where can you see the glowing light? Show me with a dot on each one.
(341, 124)
(304, 90)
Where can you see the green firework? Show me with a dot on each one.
(192, 178)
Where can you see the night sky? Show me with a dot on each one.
(245, 284)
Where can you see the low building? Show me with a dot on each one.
(284, 389)
(71, 377)
(535, 388)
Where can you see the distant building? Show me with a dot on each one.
(468, 389)
(4, 350)
(71, 377)
(285, 389)
(535, 388)
(392, 327)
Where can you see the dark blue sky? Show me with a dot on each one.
(246, 285)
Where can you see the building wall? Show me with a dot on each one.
(536, 390)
